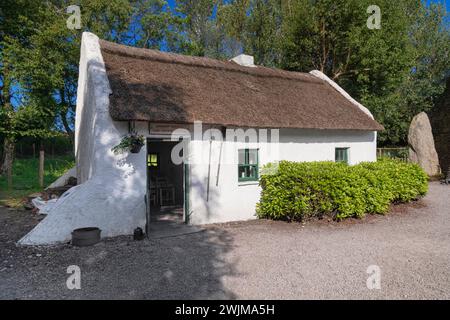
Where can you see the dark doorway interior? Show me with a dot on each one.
(165, 182)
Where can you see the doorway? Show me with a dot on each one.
(166, 192)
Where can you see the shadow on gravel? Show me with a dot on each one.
(183, 267)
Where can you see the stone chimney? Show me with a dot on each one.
(244, 60)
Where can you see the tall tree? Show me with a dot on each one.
(257, 26)
(16, 25)
(393, 70)
(396, 70)
(202, 32)
(430, 37)
(263, 31)
(39, 62)
(155, 25)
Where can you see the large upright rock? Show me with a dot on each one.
(440, 121)
(421, 145)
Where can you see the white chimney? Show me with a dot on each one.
(244, 60)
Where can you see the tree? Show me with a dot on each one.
(16, 25)
(39, 63)
(396, 71)
(155, 26)
(201, 31)
(256, 27)
(431, 40)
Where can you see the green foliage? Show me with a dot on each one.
(26, 179)
(256, 26)
(302, 190)
(153, 22)
(128, 142)
(39, 60)
(396, 71)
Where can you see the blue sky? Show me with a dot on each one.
(445, 2)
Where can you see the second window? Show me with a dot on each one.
(248, 165)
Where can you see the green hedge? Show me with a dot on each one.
(299, 190)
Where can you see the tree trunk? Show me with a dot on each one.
(8, 149)
(67, 126)
(63, 113)
(9, 142)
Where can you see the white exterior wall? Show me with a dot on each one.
(112, 189)
(232, 200)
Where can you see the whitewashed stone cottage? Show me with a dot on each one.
(154, 93)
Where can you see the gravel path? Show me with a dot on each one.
(250, 260)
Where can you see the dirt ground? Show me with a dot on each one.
(250, 260)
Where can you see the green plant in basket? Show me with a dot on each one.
(132, 142)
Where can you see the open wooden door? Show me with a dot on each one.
(186, 187)
(147, 199)
(147, 213)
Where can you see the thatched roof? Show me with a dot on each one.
(154, 86)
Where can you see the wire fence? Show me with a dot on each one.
(394, 153)
(53, 147)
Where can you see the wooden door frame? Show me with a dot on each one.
(186, 179)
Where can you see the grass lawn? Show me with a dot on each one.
(25, 177)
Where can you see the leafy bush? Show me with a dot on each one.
(128, 143)
(299, 190)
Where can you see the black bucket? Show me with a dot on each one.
(84, 237)
(138, 234)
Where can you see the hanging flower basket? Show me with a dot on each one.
(131, 143)
(135, 148)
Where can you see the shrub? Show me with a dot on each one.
(299, 190)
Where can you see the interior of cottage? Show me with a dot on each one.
(165, 182)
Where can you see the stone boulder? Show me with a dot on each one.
(421, 145)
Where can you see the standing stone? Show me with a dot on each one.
(421, 145)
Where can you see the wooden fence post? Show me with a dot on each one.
(41, 167)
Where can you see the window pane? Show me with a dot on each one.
(341, 155)
(337, 155)
(152, 160)
(252, 156)
(253, 172)
(241, 157)
(248, 164)
(243, 172)
(248, 172)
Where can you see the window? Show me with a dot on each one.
(248, 165)
(341, 155)
(152, 160)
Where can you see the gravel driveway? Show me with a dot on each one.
(254, 260)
